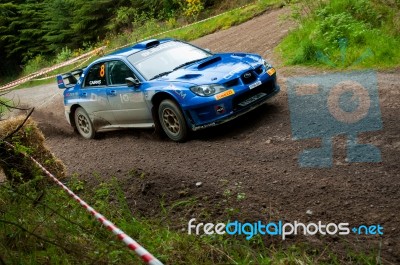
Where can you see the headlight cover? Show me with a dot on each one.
(266, 64)
(207, 90)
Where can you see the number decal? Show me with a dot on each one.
(102, 72)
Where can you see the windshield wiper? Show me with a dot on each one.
(187, 63)
(176, 68)
(160, 74)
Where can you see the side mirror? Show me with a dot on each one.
(132, 82)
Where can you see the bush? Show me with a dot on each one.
(29, 139)
(64, 55)
(37, 63)
(193, 8)
(343, 33)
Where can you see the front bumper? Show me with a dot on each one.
(238, 106)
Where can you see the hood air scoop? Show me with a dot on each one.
(208, 62)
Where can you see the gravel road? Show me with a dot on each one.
(248, 168)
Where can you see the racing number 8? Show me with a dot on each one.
(102, 71)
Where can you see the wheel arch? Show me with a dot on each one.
(156, 100)
(160, 96)
(72, 115)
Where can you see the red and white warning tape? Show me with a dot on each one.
(132, 244)
(47, 70)
(75, 67)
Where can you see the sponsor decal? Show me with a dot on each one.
(95, 82)
(252, 99)
(235, 71)
(158, 48)
(220, 109)
(224, 94)
(101, 100)
(256, 84)
(71, 94)
(207, 125)
(131, 97)
(180, 93)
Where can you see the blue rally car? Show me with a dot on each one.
(166, 84)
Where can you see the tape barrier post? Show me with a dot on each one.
(132, 244)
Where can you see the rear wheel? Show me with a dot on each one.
(83, 124)
(172, 121)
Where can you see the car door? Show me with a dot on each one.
(93, 96)
(128, 103)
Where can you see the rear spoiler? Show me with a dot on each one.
(69, 79)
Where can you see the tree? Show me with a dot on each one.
(57, 27)
(91, 17)
(29, 28)
(8, 13)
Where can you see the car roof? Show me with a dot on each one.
(140, 46)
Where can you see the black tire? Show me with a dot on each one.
(83, 124)
(172, 121)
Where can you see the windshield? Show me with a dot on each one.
(165, 58)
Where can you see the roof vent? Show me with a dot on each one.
(146, 44)
(152, 44)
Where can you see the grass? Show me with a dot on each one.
(5, 105)
(40, 224)
(152, 28)
(333, 34)
(224, 21)
(344, 34)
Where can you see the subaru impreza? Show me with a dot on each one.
(166, 84)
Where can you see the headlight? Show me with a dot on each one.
(266, 64)
(207, 90)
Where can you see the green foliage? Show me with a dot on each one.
(224, 21)
(344, 33)
(21, 29)
(36, 33)
(36, 63)
(143, 26)
(5, 105)
(193, 8)
(64, 55)
(58, 30)
(45, 226)
(123, 19)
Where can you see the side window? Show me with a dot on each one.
(96, 75)
(117, 72)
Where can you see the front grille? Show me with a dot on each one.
(259, 70)
(232, 83)
(266, 88)
(248, 77)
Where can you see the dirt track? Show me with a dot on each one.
(254, 156)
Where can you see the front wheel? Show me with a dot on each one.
(172, 121)
(83, 124)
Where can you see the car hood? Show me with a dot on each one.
(218, 68)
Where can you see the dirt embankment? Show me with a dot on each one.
(254, 156)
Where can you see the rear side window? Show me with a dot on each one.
(96, 75)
